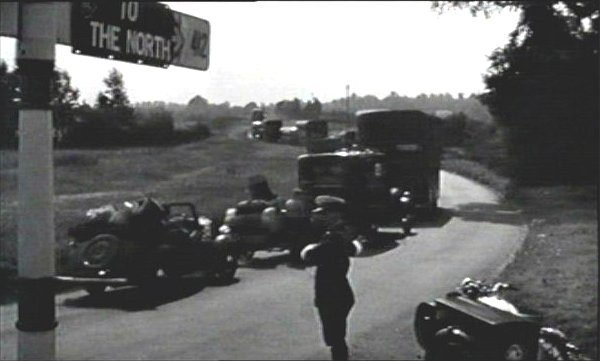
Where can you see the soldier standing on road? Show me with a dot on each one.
(333, 295)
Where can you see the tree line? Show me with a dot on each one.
(541, 95)
(542, 88)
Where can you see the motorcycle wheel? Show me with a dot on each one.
(100, 251)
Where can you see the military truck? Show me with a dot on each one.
(412, 143)
(256, 123)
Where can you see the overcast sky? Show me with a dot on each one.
(270, 51)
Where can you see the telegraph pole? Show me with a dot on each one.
(36, 39)
(348, 102)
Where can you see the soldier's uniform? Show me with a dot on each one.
(333, 295)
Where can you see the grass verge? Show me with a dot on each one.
(556, 270)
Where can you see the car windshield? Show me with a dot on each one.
(331, 173)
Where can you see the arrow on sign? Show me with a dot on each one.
(178, 38)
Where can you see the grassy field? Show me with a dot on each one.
(557, 268)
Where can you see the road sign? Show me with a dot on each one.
(192, 41)
(137, 32)
(101, 29)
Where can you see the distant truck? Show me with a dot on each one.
(412, 143)
(312, 129)
(256, 123)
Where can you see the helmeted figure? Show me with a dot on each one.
(333, 294)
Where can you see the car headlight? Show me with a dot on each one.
(394, 191)
(204, 221)
(224, 229)
(229, 214)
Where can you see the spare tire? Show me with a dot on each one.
(100, 251)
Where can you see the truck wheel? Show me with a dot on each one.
(100, 251)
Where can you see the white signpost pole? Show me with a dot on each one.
(35, 61)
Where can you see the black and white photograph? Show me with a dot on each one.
(299, 180)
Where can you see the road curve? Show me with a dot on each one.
(268, 313)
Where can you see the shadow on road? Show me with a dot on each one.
(436, 220)
(376, 248)
(147, 297)
(485, 212)
(268, 262)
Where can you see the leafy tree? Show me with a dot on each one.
(289, 109)
(312, 109)
(250, 106)
(113, 103)
(64, 99)
(9, 94)
(542, 88)
(198, 101)
(115, 95)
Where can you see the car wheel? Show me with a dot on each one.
(226, 272)
(245, 258)
(95, 290)
(173, 272)
(100, 251)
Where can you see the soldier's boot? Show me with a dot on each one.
(339, 352)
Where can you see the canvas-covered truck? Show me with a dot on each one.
(412, 143)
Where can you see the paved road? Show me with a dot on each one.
(268, 313)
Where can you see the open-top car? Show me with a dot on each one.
(135, 242)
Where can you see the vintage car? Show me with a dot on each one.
(360, 177)
(135, 242)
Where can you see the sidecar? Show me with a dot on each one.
(135, 244)
(458, 327)
(257, 225)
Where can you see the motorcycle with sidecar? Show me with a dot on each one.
(133, 243)
(258, 225)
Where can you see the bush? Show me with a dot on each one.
(152, 126)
